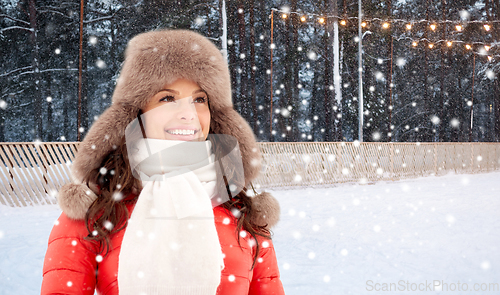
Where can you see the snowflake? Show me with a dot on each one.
(312, 55)
(100, 64)
(454, 123)
(401, 62)
(490, 74)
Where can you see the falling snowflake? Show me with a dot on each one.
(93, 40)
(285, 112)
(490, 74)
(199, 21)
(464, 15)
(57, 51)
(485, 265)
(376, 136)
(450, 219)
(108, 225)
(3, 104)
(379, 76)
(455, 123)
(401, 62)
(100, 64)
(312, 55)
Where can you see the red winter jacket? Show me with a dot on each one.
(70, 265)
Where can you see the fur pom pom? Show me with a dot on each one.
(266, 210)
(75, 199)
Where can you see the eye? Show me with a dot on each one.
(200, 99)
(168, 98)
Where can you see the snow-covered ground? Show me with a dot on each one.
(351, 239)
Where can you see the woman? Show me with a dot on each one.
(158, 204)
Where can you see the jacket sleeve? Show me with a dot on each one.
(266, 276)
(70, 262)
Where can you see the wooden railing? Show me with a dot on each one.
(32, 173)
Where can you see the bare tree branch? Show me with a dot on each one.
(15, 19)
(14, 71)
(16, 27)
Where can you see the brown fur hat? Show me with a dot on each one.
(152, 60)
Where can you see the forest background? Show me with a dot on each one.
(430, 67)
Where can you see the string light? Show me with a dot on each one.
(408, 24)
(490, 58)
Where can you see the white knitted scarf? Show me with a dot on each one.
(171, 245)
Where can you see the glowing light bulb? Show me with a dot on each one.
(487, 27)
(322, 20)
(458, 28)
(468, 47)
(486, 47)
(490, 58)
(431, 45)
(343, 22)
(363, 24)
(385, 25)
(433, 27)
(408, 26)
(449, 43)
(414, 44)
(303, 18)
(284, 16)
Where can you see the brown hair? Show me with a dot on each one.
(118, 187)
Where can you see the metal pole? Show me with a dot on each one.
(79, 115)
(360, 72)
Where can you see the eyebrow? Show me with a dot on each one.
(177, 92)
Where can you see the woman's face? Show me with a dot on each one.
(178, 112)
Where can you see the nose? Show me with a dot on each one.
(186, 110)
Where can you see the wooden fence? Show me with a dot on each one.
(32, 173)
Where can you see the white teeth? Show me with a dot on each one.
(181, 132)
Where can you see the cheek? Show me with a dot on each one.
(154, 120)
(204, 117)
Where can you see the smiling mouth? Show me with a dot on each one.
(182, 132)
